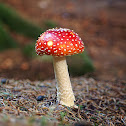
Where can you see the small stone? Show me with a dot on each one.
(4, 80)
(40, 98)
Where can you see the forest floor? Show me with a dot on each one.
(101, 98)
(99, 103)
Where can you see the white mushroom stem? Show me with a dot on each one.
(65, 95)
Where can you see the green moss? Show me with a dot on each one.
(50, 24)
(18, 24)
(80, 64)
(29, 50)
(6, 41)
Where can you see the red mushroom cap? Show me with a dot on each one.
(59, 42)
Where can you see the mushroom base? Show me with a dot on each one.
(65, 95)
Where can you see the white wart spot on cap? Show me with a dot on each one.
(55, 51)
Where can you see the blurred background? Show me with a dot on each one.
(100, 23)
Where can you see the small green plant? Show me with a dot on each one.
(62, 115)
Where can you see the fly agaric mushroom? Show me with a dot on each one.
(60, 43)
